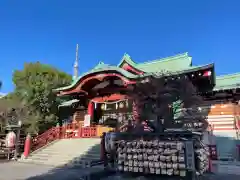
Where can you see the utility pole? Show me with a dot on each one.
(75, 67)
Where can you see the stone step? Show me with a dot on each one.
(79, 141)
(70, 163)
(44, 162)
(76, 151)
(70, 152)
(65, 159)
(61, 161)
(80, 150)
(66, 155)
(75, 146)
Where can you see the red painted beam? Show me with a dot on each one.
(112, 97)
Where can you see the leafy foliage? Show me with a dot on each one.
(170, 102)
(10, 110)
(33, 86)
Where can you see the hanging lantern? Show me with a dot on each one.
(103, 106)
(121, 105)
(127, 103)
(207, 73)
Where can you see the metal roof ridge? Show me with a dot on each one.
(201, 65)
(168, 58)
(228, 76)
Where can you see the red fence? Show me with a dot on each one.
(45, 138)
(65, 132)
(78, 131)
(81, 132)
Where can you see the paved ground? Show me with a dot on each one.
(16, 171)
(20, 171)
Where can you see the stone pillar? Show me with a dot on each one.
(27, 146)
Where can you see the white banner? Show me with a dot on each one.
(87, 120)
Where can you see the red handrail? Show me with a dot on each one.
(45, 138)
(66, 132)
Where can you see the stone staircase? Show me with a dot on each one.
(67, 152)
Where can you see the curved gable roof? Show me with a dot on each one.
(126, 58)
(181, 63)
(97, 70)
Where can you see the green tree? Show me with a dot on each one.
(34, 85)
(10, 106)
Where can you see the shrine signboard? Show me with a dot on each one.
(87, 120)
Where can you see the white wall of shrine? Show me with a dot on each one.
(222, 119)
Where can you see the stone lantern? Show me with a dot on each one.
(12, 138)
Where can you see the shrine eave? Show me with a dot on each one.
(227, 82)
(99, 71)
(113, 70)
(68, 103)
(194, 69)
(172, 63)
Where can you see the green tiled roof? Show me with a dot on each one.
(172, 63)
(128, 59)
(192, 69)
(100, 65)
(229, 81)
(177, 64)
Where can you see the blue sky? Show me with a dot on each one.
(48, 31)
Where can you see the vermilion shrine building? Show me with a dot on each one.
(100, 92)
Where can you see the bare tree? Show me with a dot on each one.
(166, 101)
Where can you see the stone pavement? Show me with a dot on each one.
(21, 171)
(17, 171)
(226, 167)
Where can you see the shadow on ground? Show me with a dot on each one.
(227, 148)
(74, 169)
